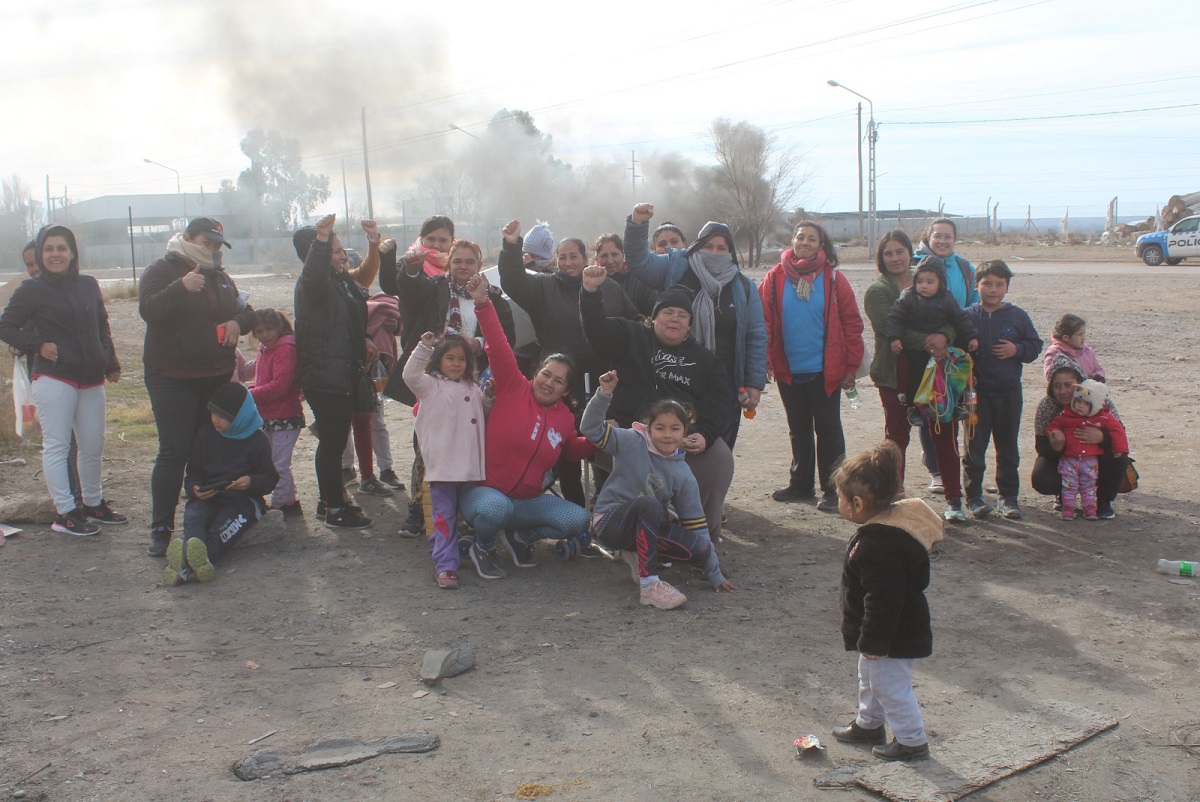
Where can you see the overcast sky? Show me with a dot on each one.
(1050, 103)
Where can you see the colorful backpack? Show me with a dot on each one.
(940, 394)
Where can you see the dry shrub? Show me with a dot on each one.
(119, 291)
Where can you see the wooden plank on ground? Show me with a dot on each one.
(975, 759)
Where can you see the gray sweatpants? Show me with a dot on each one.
(63, 409)
(885, 693)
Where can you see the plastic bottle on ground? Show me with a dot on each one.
(1177, 567)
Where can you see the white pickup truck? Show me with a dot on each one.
(1172, 245)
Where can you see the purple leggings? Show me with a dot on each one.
(443, 529)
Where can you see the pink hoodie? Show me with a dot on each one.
(274, 388)
(1085, 358)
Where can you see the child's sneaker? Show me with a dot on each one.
(522, 552)
(1009, 508)
(375, 487)
(73, 523)
(176, 572)
(978, 507)
(197, 560)
(103, 514)
(1090, 514)
(414, 524)
(914, 417)
(447, 580)
(1068, 513)
(389, 478)
(292, 510)
(661, 595)
(935, 484)
(954, 510)
(631, 559)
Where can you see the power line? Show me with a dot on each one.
(1048, 117)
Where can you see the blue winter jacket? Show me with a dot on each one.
(667, 269)
(1010, 323)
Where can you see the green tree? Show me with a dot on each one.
(274, 182)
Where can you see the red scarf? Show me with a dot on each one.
(798, 268)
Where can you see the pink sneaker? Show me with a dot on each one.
(662, 595)
(447, 580)
(631, 559)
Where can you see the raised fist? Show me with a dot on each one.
(643, 212)
(593, 277)
(512, 231)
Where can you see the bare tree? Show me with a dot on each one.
(20, 216)
(450, 187)
(758, 179)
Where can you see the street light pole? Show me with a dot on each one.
(872, 135)
(454, 127)
(178, 189)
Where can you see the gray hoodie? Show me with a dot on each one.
(639, 470)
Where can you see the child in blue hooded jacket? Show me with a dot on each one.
(229, 472)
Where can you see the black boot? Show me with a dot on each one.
(898, 751)
(854, 734)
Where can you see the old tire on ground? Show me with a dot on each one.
(1152, 255)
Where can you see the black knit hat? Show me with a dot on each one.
(678, 296)
(227, 400)
(303, 240)
(933, 264)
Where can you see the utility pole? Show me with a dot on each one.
(860, 181)
(366, 167)
(49, 216)
(346, 200)
(633, 174)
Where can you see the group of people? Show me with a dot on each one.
(643, 360)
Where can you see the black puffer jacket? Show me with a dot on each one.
(181, 326)
(913, 312)
(552, 303)
(424, 303)
(884, 610)
(66, 309)
(331, 325)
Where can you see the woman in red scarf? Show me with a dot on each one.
(814, 348)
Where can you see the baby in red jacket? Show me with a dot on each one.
(1079, 466)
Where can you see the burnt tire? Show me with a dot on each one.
(1152, 255)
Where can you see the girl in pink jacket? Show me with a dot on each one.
(450, 433)
(277, 396)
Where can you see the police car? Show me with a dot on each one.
(1171, 246)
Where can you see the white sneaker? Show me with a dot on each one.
(935, 484)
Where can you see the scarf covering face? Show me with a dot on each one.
(714, 271)
(803, 272)
(246, 422)
(194, 252)
(435, 261)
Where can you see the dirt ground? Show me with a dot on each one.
(116, 688)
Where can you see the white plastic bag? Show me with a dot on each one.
(24, 408)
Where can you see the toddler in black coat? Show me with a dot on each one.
(885, 617)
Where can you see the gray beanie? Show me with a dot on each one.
(539, 242)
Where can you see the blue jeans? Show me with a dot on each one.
(532, 519)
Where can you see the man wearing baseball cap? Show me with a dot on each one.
(211, 229)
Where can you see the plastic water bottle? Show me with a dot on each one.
(852, 394)
(743, 399)
(1177, 567)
